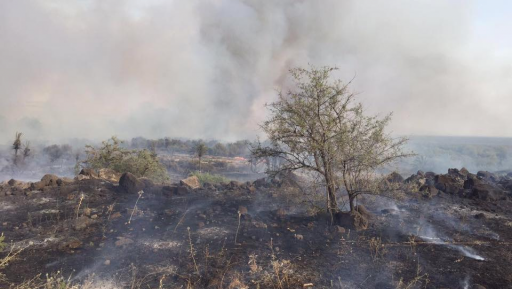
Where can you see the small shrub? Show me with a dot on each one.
(141, 163)
(209, 178)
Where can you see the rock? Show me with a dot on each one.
(340, 229)
(122, 241)
(415, 179)
(81, 223)
(447, 184)
(298, 237)
(167, 191)
(421, 173)
(428, 191)
(463, 171)
(147, 183)
(191, 182)
(82, 177)
(13, 182)
(209, 186)
(71, 243)
(109, 175)
(37, 186)
(88, 173)
(251, 189)
(107, 262)
(351, 220)
(260, 183)
(235, 185)
(456, 173)
(242, 210)
(430, 175)
(477, 286)
(181, 190)
(394, 177)
(482, 190)
(487, 176)
(49, 180)
(487, 192)
(130, 184)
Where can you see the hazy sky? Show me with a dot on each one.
(96, 68)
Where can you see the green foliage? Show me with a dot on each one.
(209, 178)
(111, 155)
(318, 127)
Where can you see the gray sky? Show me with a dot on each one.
(92, 69)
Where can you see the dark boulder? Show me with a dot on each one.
(447, 184)
(394, 177)
(182, 190)
(260, 183)
(463, 171)
(88, 172)
(13, 182)
(428, 191)
(130, 184)
(50, 180)
(482, 190)
(487, 176)
(351, 220)
(430, 175)
(487, 192)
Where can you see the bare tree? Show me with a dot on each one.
(16, 146)
(200, 151)
(316, 127)
(26, 150)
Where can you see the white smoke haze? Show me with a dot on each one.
(205, 69)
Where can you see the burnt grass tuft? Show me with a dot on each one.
(189, 241)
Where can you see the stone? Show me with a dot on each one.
(260, 183)
(122, 241)
(340, 229)
(394, 177)
(192, 182)
(351, 220)
(130, 184)
(447, 184)
(242, 210)
(487, 176)
(70, 243)
(49, 180)
(428, 191)
(88, 173)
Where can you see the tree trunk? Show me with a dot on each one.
(351, 197)
(331, 195)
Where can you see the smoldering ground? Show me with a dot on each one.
(263, 235)
(201, 69)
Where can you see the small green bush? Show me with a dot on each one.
(141, 163)
(209, 178)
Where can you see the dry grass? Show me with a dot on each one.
(376, 248)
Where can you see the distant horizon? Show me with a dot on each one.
(92, 141)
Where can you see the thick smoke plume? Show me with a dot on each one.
(91, 69)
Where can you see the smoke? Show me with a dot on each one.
(204, 69)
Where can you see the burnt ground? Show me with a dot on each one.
(189, 241)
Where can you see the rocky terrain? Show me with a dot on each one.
(103, 230)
